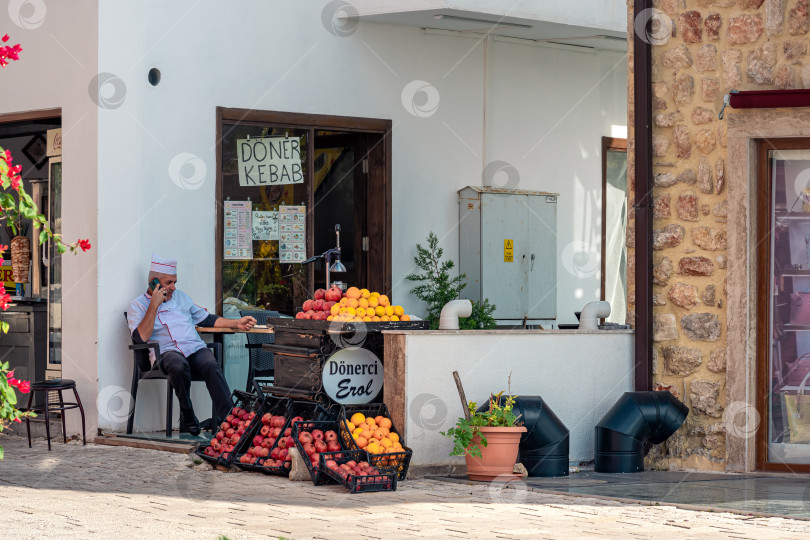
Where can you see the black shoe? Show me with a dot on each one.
(211, 424)
(189, 423)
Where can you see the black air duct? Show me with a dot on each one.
(632, 426)
(544, 446)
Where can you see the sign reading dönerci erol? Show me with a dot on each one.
(269, 161)
(353, 376)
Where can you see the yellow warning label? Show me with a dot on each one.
(508, 252)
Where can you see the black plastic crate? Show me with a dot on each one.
(398, 461)
(306, 409)
(275, 406)
(317, 477)
(243, 400)
(386, 480)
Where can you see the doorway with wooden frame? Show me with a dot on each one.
(346, 182)
(783, 305)
(33, 346)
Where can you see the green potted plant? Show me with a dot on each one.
(488, 438)
(436, 286)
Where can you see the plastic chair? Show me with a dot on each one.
(261, 368)
(143, 369)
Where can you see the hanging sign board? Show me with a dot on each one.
(352, 376)
(265, 225)
(269, 161)
(238, 237)
(292, 225)
(54, 146)
(8, 276)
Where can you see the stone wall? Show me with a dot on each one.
(714, 46)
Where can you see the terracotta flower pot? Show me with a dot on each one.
(498, 456)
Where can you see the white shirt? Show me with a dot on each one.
(175, 322)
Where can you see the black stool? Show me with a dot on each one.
(54, 385)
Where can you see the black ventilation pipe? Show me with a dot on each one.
(544, 446)
(632, 426)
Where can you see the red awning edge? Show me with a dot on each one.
(769, 99)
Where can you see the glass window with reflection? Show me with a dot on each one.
(262, 280)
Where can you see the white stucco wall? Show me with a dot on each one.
(579, 375)
(58, 62)
(555, 143)
(548, 108)
(285, 59)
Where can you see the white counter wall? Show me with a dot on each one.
(578, 374)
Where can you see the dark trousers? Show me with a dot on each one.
(202, 365)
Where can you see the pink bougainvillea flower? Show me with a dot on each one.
(9, 52)
(22, 386)
(84, 244)
(9, 375)
(15, 183)
(18, 420)
(5, 300)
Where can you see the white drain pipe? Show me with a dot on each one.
(452, 310)
(591, 313)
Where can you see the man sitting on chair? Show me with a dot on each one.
(169, 316)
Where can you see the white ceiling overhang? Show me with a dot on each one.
(596, 24)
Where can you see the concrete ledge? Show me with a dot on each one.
(422, 471)
(177, 448)
(38, 429)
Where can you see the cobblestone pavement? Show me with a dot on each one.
(104, 492)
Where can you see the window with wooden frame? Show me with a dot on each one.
(345, 165)
(614, 227)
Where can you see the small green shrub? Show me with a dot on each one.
(437, 287)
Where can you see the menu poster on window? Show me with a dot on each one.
(269, 161)
(292, 247)
(265, 225)
(238, 235)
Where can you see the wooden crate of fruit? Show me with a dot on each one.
(369, 427)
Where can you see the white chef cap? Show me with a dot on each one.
(163, 266)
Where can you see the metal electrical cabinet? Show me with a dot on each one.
(508, 250)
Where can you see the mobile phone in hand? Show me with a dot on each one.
(153, 285)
